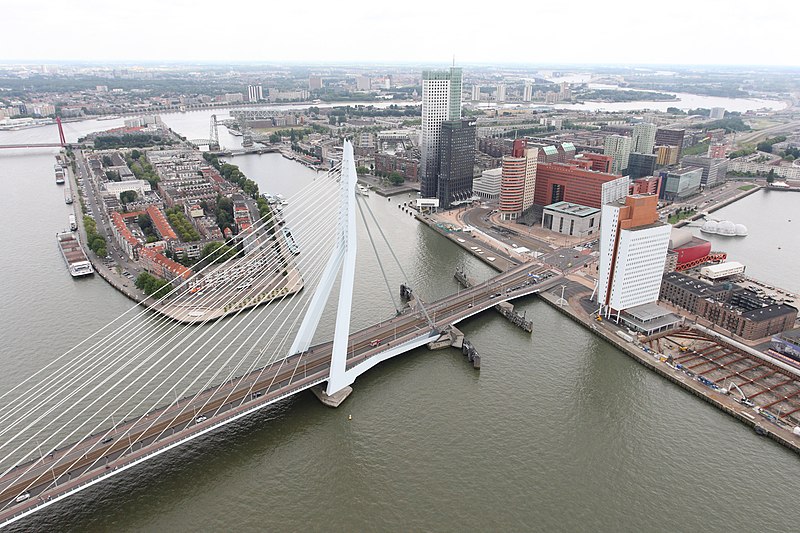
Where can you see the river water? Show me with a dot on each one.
(557, 431)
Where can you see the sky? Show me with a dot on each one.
(605, 32)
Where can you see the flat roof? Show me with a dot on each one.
(722, 267)
(769, 311)
(649, 317)
(647, 312)
(569, 208)
(694, 286)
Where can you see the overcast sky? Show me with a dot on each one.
(534, 32)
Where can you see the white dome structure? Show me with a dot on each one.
(727, 228)
(709, 226)
(741, 230)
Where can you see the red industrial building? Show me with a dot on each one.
(687, 251)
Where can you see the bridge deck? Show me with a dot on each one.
(87, 462)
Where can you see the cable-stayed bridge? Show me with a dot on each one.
(145, 383)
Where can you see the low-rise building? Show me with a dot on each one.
(126, 240)
(488, 185)
(738, 310)
(163, 267)
(387, 163)
(571, 219)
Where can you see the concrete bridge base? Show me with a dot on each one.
(450, 337)
(334, 400)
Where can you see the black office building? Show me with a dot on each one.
(456, 161)
(641, 165)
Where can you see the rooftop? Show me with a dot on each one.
(568, 208)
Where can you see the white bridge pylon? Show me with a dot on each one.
(344, 257)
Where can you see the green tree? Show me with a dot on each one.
(127, 197)
(362, 170)
(135, 154)
(217, 252)
(395, 178)
(107, 161)
(771, 176)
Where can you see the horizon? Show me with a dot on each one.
(690, 34)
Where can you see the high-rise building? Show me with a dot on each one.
(667, 155)
(527, 92)
(565, 93)
(717, 113)
(441, 101)
(714, 170)
(512, 185)
(501, 92)
(619, 148)
(644, 138)
(254, 93)
(633, 250)
(670, 137)
(476, 93)
(641, 165)
(456, 161)
(314, 82)
(363, 83)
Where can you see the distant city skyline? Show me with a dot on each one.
(713, 32)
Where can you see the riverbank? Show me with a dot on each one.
(717, 206)
(573, 309)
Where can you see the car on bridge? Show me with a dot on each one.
(375, 342)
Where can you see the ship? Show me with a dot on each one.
(73, 254)
(67, 194)
(59, 174)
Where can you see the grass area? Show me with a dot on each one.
(697, 149)
(677, 217)
(746, 187)
(762, 124)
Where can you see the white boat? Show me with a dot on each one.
(363, 191)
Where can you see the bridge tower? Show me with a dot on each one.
(344, 258)
(61, 132)
(213, 135)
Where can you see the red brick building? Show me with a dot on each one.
(569, 182)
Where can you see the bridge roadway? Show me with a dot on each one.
(32, 145)
(77, 466)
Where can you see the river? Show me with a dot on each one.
(557, 431)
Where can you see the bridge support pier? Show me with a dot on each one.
(335, 399)
(451, 336)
